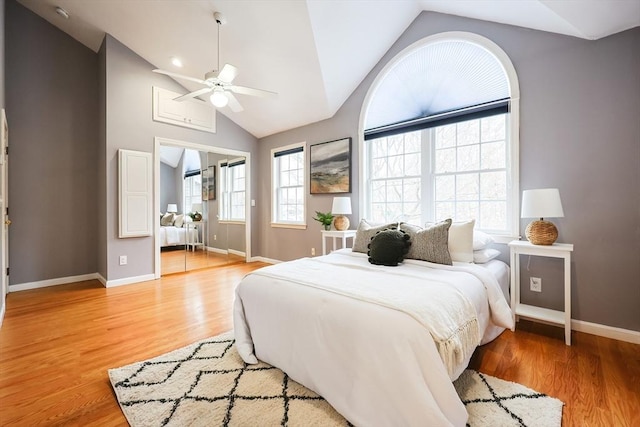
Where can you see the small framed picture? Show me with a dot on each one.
(330, 167)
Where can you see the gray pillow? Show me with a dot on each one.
(365, 232)
(429, 244)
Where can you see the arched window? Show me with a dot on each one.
(439, 136)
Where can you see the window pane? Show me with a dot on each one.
(379, 168)
(445, 188)
(444, 210)
(468, 132)
(395, 145)
(445, 160)
(412, 164)
(379, 148)
(493, 155)
(467, 187)
(493, 128)
(493, 215)
(412, 142)
(493, 186)
(394, 190)
(468, 157)
(378, 191)
(467, 210)
(396, 166)
(411, 190)
(445, 136)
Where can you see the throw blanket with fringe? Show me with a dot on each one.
(428, 297)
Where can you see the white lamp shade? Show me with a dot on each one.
(219, 99)
(172, 208)
(341, 206)
(196, 207)
(541, 203)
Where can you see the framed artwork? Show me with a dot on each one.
(211, 183)
(330, 167)
(205, 184)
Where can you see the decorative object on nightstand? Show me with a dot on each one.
(541, 203)
(172, 208)
(196, 208)
(324, 219)
(341, 207)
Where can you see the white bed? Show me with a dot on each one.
(176, 236)
(373, 361)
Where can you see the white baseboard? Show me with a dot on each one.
(217, 250)
(54, 282)
(2, 311)
(606, 331)
(263, 259)
(130, 280)
(239, 253)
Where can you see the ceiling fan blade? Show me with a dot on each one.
(193, 94)
(228, 73)
(243, 90)
(179, 76)
(233, 102)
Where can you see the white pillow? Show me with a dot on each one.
(481, 240)
(485, 255)
(461, 241)
(179, 220)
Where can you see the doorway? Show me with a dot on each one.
(202, 202)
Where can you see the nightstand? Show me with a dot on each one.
(335, 234)
(196, 241)
(557, 250)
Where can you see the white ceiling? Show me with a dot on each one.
(313, 53)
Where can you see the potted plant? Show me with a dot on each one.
(325, 219)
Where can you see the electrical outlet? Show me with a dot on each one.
(535, 284)
(313, 251)
(123, 260)
(215, 237)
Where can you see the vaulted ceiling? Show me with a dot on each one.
(313, 53)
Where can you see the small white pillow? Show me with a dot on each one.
(461, 241)
(179, 220)
(481, 240)
(485, 255)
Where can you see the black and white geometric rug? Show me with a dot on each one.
(208, 384)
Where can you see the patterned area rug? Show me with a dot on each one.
(208, 384)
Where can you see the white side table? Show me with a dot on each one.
(196, 241)
(344, 235)
(557, 250)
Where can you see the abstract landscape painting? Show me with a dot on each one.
(331, 167)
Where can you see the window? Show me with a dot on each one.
(440, 136)
(288, 184)
(232, 190)
(457, 171)
(192, 189)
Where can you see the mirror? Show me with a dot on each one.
(208, 227)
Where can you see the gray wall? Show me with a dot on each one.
(580, 103)
(129, 125)
(168, 187)
(52, 102)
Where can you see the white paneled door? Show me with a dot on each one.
(4, 211)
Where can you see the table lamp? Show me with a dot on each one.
(172, 208)
(341, 207)
(541, 203)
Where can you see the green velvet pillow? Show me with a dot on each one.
(388, 247)
(365, 233)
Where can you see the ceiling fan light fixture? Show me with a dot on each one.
(219, 99)
(176, 61)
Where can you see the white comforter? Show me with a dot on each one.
(173, 236)
(374, 362)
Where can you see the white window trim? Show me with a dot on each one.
(513, 122)
(282, 224)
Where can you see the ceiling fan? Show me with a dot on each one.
(220, 83)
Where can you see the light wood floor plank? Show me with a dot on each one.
(56, 345)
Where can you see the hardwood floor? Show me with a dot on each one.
(181, 260)
(56, 345)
